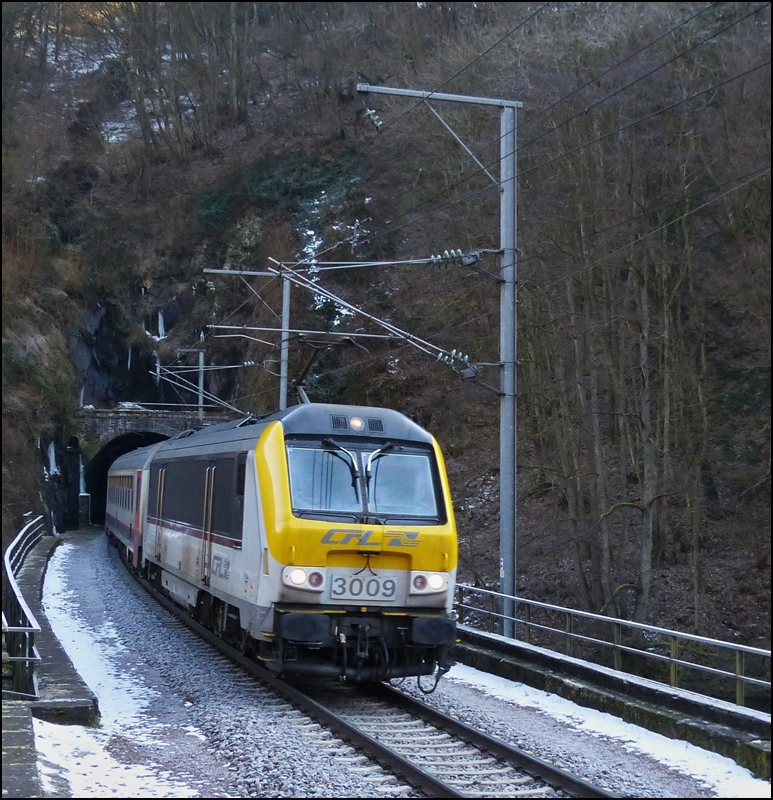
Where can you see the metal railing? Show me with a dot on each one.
(533, 620)
(19, 623)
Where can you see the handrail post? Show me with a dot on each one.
(740, 684)
(673, 670)
(527, 625)
(617, 653)
(569, 632)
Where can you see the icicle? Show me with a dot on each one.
(53, 469)
(161, 327)
(82, 489)
(83, 389)
(129, 362)
(158, 367)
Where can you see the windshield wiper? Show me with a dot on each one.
(368, 472)
(373, 456)
(353, 466)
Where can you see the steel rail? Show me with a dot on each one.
(399, 765)
(492, 744)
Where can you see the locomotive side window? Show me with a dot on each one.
(226, 511)
(322, 480)
(185, 482)
(402, 484)
(184, 492)
(153, 491)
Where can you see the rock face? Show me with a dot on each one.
(111, 374)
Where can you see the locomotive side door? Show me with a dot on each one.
(138, 526)
(160, 480)
(206, 554)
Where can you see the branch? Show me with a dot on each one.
(617, 506)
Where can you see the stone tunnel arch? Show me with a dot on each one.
(106, 434)
(95, 473)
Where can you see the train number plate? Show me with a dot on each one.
(362, 587)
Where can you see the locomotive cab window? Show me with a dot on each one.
(349, 482)
(402, 485)
(323, 480)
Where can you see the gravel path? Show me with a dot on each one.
(202, 723)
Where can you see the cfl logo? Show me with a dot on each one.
(363, 538)
(400, 539)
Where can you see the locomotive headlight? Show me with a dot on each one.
(356, 423)
(428, 582)
(298, 576)
(308, 579)
(436, 581)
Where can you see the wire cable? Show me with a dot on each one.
(648, 211)
(628, 85)
(463, 69)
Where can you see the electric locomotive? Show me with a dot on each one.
(320, 539)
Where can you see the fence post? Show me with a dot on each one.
(740, 685)
(527, 625)
(617, 653)
(569, 631)
(673, 671)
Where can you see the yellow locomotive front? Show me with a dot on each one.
(361, 540)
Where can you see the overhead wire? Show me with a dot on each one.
(635, 217)
(445, 83)
(346, 240)
(496, 141)
(472, 195)
(587, 268)
(465, 68)
(628, 85)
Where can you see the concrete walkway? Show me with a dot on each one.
(63, 696)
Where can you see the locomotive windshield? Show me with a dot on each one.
(322, 480)
(332, 482)
(402, 484)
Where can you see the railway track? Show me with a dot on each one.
(422, 747)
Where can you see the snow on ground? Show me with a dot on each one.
(81, 757)
(721, 774)
(77, 755)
